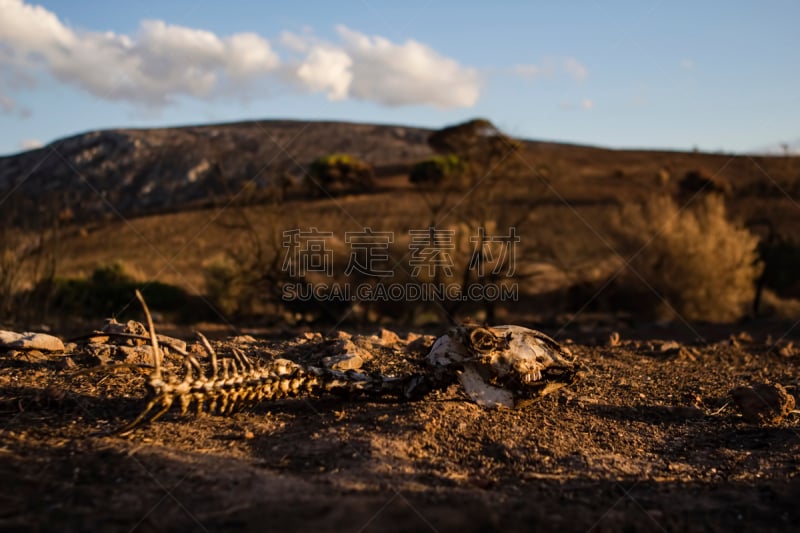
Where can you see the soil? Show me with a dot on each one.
(649, 440)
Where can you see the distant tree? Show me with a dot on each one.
(446, 171)
(704, 181)
(336, 174)
(466, 186)
(477, 142)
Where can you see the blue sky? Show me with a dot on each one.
(675, 75)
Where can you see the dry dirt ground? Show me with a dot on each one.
(648, 441)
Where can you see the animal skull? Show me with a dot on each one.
(505, 366)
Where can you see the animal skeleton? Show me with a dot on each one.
(503, 366)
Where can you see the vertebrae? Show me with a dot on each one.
(503, 366)
(236, 382)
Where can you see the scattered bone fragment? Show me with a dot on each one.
(614, 339)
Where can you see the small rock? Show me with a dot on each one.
(348, 361)
(343, 346)
(134, 355)
(421, 343)
(312, 336)
(411, 337)
(387, 338)
(32, 356)
(243, 339)
(670, 347)
(787, 350)
(10, 340)
(131, 327)
(341, 335)
(764, 403)
(101, 352)
(98, 339)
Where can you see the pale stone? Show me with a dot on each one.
(348, 361)
(11, 340)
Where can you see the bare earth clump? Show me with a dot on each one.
(650, 439)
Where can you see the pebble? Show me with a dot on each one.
(243, 339)
(670, 347)
(387, 338)
(763, 403)
(347, 361)
(10, 340)
(788, 350)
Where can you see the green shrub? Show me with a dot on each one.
(439, 170)
(109, 291)
(703, 265)
(338, 174)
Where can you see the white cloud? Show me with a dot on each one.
(687, 64)
(375, 69)
(576, 69)
(162, 62)
(551, 67)
(409, 73)
(30, 144)
(327, 69)
(587, 104)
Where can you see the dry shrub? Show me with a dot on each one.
(704, 265)
(225, 286)
(775, 306)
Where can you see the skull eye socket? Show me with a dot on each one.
(482, 340)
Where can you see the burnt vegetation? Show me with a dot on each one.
(649, 235)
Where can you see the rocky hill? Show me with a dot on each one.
(133, 172)
(102, 175)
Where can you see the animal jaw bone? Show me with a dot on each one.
(505, 366)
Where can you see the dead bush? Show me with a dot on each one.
(226, 286)
(702, 265)
(705, 182)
